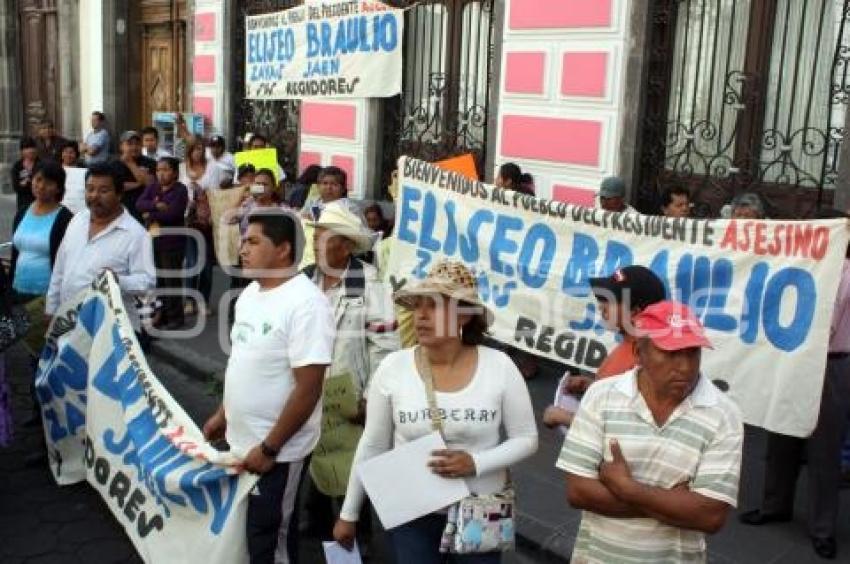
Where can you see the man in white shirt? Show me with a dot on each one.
(103, 237)
(217, 152)
(282, 342)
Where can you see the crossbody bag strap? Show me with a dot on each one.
(424, 367)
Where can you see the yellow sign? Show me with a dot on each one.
(260, 158)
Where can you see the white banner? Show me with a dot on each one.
(109, 420)
(765, 290)
(324, 49)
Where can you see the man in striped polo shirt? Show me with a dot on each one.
(653, 456)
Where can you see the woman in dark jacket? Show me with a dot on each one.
(163, 205)
(37, 232)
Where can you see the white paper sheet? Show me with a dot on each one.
(336, 554)
(402, 487)
(75, 189)
(563, 399)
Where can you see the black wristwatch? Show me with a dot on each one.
(268, 451)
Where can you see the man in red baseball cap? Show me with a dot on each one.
(653, 455)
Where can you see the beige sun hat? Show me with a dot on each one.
(337, 218)
(447, 278)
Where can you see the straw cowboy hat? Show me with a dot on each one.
(339, 220)
(447, 278)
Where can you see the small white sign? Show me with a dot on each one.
(337, 554)
(421, 492)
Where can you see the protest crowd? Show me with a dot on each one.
(330, 369)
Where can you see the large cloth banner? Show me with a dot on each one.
(108, 420)
(324, 49)
(765, 290)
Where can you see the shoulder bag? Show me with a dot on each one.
(478, 523)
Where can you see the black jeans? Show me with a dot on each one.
(272, 522)
(172, 303)
(823, 457)
(202, 281)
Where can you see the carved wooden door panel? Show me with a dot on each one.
(39, 39)
(158, 77)
(162, 24)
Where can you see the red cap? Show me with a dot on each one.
(671, 326)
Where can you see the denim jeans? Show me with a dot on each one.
(418, 542)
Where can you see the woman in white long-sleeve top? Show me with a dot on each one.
(479, 392)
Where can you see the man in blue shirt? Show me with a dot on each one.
(96, 146)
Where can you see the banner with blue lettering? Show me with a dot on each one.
(765, 290)
(325, 49)
(109, 420)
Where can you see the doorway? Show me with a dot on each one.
(160, 35)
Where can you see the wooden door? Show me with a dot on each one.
(159, 92)
(162, 26)
(40, 61)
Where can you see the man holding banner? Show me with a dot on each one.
(103, 237)
(282, 342)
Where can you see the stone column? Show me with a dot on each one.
(490, 163)
(636, 60)
(115, 68)
(11, 106)
(69, 69)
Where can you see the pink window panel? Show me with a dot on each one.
(309, 158)
(558, 14)
(579, 196)
(204, 69)
(205, 26)
(329, 120)
(584, 74)
(557, 140)
(204, 105)
(346, 164)
(524, 73)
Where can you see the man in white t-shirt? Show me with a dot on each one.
(282, 342)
